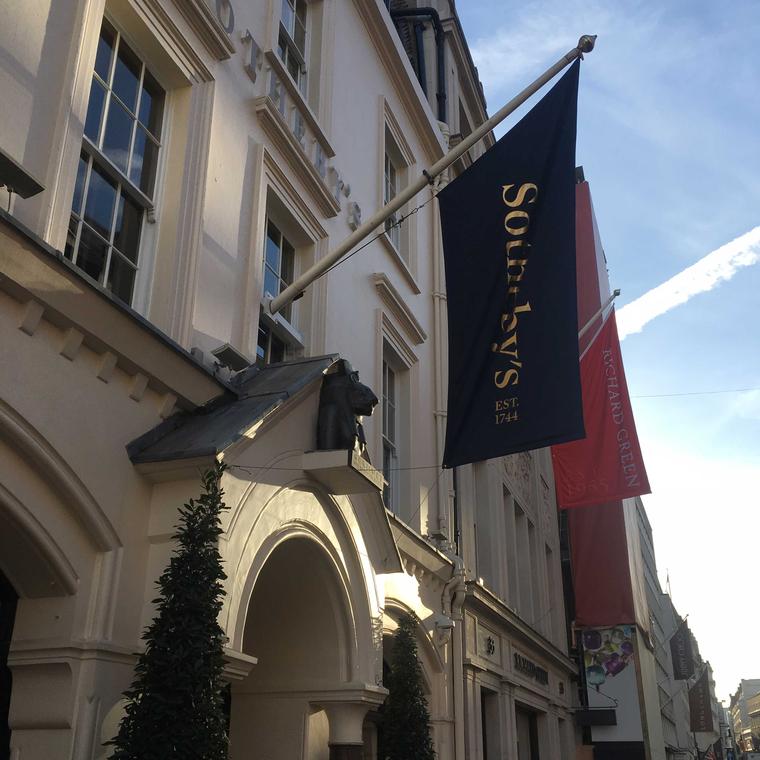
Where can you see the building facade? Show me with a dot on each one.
(739, 711)
(173, 164)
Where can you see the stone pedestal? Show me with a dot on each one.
(345, 714)
(346, 751)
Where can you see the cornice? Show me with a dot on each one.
(303, 107)
(391, 122)
(419, 556)
(395, 304)
(391, 54)
(277, 128)
(207, 26)
(286, 188)
(467, 71)
(479, 598)
(49, 285)
(174, 39)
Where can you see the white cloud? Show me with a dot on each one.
(703, 514)
(718, 266)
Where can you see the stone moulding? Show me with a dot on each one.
(277, 128)
(398, 68)
(395, 304)
(207, 26)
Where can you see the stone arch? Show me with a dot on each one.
(30, 557)
(430, 656)
(58, 552)
(301, 600)
(54, 470)
(56, 537)
(54, 529)
(293, 547)
(272, 514)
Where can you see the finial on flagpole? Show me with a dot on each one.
(586, 43)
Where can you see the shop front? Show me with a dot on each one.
(517, 686)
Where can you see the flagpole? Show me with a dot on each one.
(587, 326)
(294, 290)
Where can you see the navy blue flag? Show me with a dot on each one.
(509, 248)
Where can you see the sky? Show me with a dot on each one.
(669, 138)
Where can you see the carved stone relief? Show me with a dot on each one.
(519, 469)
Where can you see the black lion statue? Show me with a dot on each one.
(342, 401)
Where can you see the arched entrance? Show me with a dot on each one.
(8, 602)
(298, 702)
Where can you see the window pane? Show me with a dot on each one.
(288, 262)
(105, 49)
(121, 277)
(126, 76)
(128, 223)
(293, 67)
(101, 195)
(91, 254)
(117, 136)
(144, 161)
(388, 475)
(151, 104)
(299, 30)
(94, 110)
(71, 238)
(288, 15)
(271, 282)
(272, 249)
(76, 204)
(262, 345)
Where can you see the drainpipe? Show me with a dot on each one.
(454, 593)
(432, 14)
(419, 38)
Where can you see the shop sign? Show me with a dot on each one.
(489, 644)
(528, 668)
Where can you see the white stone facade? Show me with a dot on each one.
(234, 142)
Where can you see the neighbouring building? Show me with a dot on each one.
(753, 713)
(175, 162)
(664, 621)
(633, 708)
(739, 710)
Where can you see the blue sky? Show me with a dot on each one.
(668, 135)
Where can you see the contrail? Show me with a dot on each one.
(718, 266)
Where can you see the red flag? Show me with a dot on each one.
(606, 465)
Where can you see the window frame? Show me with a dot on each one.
(389, 433)
(394, 351)
(96, 146)
(401, 241)
(286, 311)
(390, 191)
(288, 50)
(277, 332)
(126, 189)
